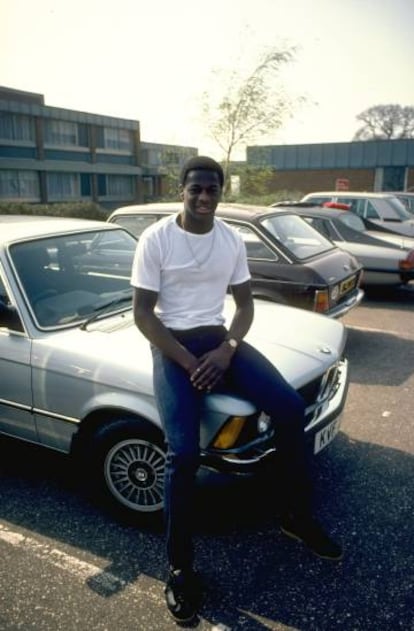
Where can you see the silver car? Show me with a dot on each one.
(381, 211)
(385, 263)
(76, 374)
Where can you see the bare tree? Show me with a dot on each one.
(386, 121)
(248, 106)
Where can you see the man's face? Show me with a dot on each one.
(201, 193)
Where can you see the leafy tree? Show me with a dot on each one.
(250, 105)
(386, 121)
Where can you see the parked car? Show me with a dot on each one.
(290, 262)
(384, 264)
(407, 198)
(380, 211)
(76, 374)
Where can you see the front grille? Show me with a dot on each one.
(318, 391)
(315, 394)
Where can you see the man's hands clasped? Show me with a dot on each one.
(210, 367)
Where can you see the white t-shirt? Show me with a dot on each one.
(191, 272)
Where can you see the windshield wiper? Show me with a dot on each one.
(124, 297)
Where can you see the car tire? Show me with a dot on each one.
(127, 468)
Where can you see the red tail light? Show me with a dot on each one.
(407, 263)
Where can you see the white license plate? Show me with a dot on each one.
(326, 435)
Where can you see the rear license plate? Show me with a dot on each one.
(347, 285)
(326, 435)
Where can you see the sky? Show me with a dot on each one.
(152, 60)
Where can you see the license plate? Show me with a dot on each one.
(326, 435)
(347, 285)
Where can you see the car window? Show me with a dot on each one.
(408, 201)
(4, 296)
(255, 247)
(393, 208)
(135, 224)
(68, 277)
(352, 221)
(323, 226)
(356, 205)
(295, 234)
(8, 316)
(370, 211)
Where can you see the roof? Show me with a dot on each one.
(382, 195)
(236, 211)
(20, 227)
(319, 211)
(360, 154)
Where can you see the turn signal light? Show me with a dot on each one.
(321, 300)
(230, 432)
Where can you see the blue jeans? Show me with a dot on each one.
(250, 376)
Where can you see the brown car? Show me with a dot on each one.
(290, 262)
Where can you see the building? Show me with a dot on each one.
(372, 165)
(50, 154)
(161, 164)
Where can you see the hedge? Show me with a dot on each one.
(84, 210)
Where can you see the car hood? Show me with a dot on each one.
(112, 351)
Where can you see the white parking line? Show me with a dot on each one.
(103, 582)
(100, 581)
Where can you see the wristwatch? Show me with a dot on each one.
(232, 342)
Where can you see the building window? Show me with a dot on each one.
(149, 189)
(61, 133)
(85, 185)
(116, 186)
(115, 139)
(62, 186)
(155, 157)
(171, 158)
(16, 127)
(19, 185)
(120, 186)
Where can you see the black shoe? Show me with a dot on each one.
(311, 533)
(183, 595)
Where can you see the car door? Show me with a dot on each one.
(16, 416)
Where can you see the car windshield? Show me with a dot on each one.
(399, 208)
(296, 235)
(69, 278)
(408, 201)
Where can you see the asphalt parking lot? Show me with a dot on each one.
(68, 565)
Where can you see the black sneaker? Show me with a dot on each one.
(183, 595)
(311, 533)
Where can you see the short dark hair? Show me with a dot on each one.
(204, 163)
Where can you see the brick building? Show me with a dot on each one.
(374, 165)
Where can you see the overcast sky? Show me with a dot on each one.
(151, 60)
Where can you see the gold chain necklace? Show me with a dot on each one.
(188, 241)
